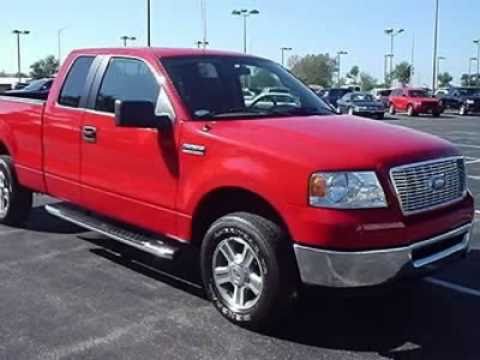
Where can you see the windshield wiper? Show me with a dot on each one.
(231, 113)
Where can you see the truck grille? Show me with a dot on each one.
(428, 185)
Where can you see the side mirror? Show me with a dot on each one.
(138, 114)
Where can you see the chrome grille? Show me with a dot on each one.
(428, 185)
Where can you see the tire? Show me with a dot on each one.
(380, 116)
(351, 112)
(392, 110)
(463, 110)
(436, 114)
(411, 111)
(15, 200)
(268, 284)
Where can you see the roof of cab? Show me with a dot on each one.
(160, 52)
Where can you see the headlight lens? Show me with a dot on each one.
(346, 190)
(470, 102)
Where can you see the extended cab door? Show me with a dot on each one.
(61, 130)
(130, 174)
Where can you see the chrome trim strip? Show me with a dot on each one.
(22, 100)
(421, 163)
(373, 267)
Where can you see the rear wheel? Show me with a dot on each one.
(411, 111)
(463, 110)
(248, 269)
(350, 111)
(380, 116)
(15, 200)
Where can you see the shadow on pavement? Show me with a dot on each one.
(41, 221)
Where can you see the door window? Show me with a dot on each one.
(74, 84)
(126, 80)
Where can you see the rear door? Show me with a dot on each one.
(61, 132)
(129, 174)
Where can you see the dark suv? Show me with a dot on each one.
(462, 99)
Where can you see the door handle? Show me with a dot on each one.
(89, 134)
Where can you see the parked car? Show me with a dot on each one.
(333, 95)
(37, 89)
(156, 149)
(462, 99)
(414, 102)
(360, 103)
(276, 90)
(382, 95)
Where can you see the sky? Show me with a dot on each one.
(308, 26)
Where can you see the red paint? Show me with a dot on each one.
(142, 177)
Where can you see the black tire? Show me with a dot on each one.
(269, 243)
(392, 110)
(436, 114)
(380, 116)
(16, 201)
(411, 111)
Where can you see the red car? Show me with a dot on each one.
(413, 102)
(158, 149)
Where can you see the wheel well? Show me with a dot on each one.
(225, 201)
(3, 149)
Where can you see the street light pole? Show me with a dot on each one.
(245, 14)
(477, 42)
(18, 33)
(125, 38)
(392, 33)
(439, 58)
(339, 65)
(435, 47)
(59, 38)
(284, 49)
(149, 38)
(472, 59)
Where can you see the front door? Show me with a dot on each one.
(128, 173)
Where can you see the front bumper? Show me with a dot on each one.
(344, 269)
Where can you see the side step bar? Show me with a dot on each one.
(112, 230)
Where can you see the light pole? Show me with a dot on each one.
(245, 14)
(385, 68)
(18, 33)
(126, 38)
(477, 42)
(201, 44)
(435, 47)
(339, 63)
(204, 42)
(439, 58)
(59, 38)
(472, 59)
(392, 33)
(284, 49)
(149, 38)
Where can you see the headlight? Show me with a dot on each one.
(470, 102)
(346, 190)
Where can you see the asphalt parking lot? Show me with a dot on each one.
(66, 293)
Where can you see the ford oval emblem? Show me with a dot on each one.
(438, 182)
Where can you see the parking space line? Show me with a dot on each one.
(469, 162)
(468, 146)
(452, 286)
(474, 177)
(477, 212)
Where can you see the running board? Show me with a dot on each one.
(89, 221)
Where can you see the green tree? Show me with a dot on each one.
(353, 74)
(314, 69)
(262, 79)
(444, 79)
(367, 82)
(44, 68)
(468, 80)
(402, 73)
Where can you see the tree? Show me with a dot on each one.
(367, 82)
(469, 80)
(314, 69)
(444, 79)
(402, 73)
(353, 74)
(262, 79)
(45, 67)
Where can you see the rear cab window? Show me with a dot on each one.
(74, 85)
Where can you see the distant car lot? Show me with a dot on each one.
(66, 293)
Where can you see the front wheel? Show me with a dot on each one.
(411, 111)
(392, 110)
(248, 269)
(15, 200)
(463, 110)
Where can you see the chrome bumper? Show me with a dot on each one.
(344, 269)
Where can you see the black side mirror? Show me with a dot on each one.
(139, 114)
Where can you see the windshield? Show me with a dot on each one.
(362, 97)
(418, 93)
(37, 85)
(237, 87)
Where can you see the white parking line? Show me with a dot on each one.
(469, 146)
(469, 162)
(474, 177)
(477, 212)
(452, 286)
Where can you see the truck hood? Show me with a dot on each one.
(334, 142)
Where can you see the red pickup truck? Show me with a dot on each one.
(414, 102)
(158, 149)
